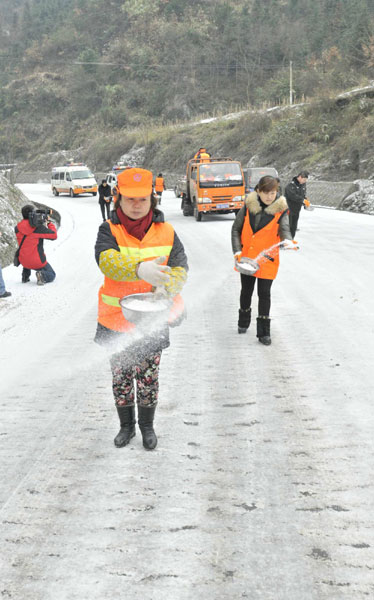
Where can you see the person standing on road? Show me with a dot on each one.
(105, 198)
(30, 240)
(159, 186)
(137, 252)
(295, 193)
(3, 292)
(262, 222)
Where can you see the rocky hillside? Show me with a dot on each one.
(94, 74)
(11, 202)
(330, 137)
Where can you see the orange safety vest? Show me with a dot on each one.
(158, 241)
(254, 243)
(159, 184)
(204, 157)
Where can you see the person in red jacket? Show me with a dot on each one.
(31, 233)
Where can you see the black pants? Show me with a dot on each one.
(263, 291)
(105, 206)
(294, 218)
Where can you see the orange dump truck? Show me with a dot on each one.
(214, 187)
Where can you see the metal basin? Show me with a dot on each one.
(147, 310)
(247, 266)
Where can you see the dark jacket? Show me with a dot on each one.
(32, 255)
(104, 192)
(259, 216)
(295, 193)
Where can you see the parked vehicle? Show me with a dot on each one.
(73, 179)
(214, 187)
(180, 189)
(254, 174)
(111, 177)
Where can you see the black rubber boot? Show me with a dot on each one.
(244, 320)
(146, 414)
(127, 419)
(263, 330)
(26, 275)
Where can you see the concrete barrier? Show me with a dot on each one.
(329, 193)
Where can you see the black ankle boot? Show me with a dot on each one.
(146, 415)
(244, 320)
(127, 420)
(263, 330)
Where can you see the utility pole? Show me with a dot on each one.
(291, 90)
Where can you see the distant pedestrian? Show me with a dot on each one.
(3, 292)
(295, 193)
(105, 198)
(31, 232)
(159, 186)
(260, 224)
(137, 251)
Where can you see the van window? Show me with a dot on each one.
(62, 175)
(83, 174)
(68, 178)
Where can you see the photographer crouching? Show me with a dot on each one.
(31, 232)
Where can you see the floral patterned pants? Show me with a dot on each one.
(145, 374)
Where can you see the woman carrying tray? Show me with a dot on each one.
(137, 252)
(263, 222)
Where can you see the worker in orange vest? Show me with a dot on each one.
(159, 186)
(262, 223)
(202, 155)
(137, 252)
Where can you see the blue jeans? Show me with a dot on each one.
(48, 273)
(2, 284)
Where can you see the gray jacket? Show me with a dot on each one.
(259, 218)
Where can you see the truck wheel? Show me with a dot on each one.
(71, 193)
(94, 193)
(55, 192)
(198, 215)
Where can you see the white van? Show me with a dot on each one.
(111, 177)
(73, 179)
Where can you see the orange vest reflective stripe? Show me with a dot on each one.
(254, 243)
(159, 184)
(158, 241)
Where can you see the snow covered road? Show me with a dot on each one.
(262, 484)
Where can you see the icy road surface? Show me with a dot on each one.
(262, 485)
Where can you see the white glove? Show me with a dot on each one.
(153, 272)
(290, 245)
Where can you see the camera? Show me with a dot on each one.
(39, 217)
